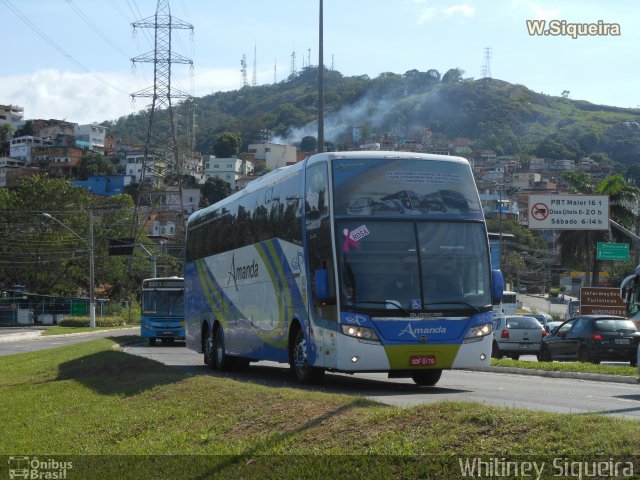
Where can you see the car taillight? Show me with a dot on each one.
(504, 334)
(544, 332)
(597, 336)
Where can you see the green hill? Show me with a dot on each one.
(495, 114)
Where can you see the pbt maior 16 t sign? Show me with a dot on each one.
(569, 212)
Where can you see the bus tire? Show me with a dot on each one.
(152, 341)
(426, 378)
(301, 371)
(220, 357)
(207, 348)
(495, 351)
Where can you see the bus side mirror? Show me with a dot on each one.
(322, 284)
(497, 286)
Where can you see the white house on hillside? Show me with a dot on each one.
(274, 155)
(227, 169)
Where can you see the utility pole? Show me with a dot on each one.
(320, 87)
(92, 293)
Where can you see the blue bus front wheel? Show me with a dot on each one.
(427, 378)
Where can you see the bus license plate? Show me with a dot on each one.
(423, 360)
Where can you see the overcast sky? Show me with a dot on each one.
(71, 59)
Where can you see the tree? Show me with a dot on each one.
(308, 144)
(227, 145)
(452, 75)
(214, 190)
(512, 265)
(27, 129)
(94, 164)
(5, 132)
(46, 257)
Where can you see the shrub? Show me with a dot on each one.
(100, 322)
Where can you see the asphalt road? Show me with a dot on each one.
(40, 343)
(541, 305)
(497, 389)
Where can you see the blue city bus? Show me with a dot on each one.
(348, 262)
(162, 309)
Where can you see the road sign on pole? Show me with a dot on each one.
(612, 251)
(569, 212)
(601, 301)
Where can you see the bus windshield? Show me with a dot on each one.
(163, 302)
(413, 266)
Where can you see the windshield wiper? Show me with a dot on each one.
(395, 304)
(455, 302)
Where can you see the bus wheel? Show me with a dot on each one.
(300, 368)
(222, 361)
(427, 378)
(152, 341)
(207, 348)
(495, 351)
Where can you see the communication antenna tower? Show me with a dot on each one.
(308, 57)
(163, 96)
(275, 70)
(486, 68)
(243, 70)
(254, 81)
(293, 64)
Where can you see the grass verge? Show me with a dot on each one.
(625, 370)
(116, 415)
(58, 330)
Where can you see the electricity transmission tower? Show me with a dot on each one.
(486, 68)
(161, 137)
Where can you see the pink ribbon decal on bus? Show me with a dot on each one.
(352, 239)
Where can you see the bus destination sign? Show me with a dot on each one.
(164, 284)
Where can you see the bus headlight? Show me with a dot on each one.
(363, 334)
(475, 334)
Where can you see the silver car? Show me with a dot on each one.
(542, 318)
(515, 335)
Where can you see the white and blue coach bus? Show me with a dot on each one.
(349, 262)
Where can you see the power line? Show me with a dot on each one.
(97, 30)
(57, 47)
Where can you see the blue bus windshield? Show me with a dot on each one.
(163, 302)
(424, 266)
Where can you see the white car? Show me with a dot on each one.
(515, 335)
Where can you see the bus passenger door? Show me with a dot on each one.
(322, 312)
